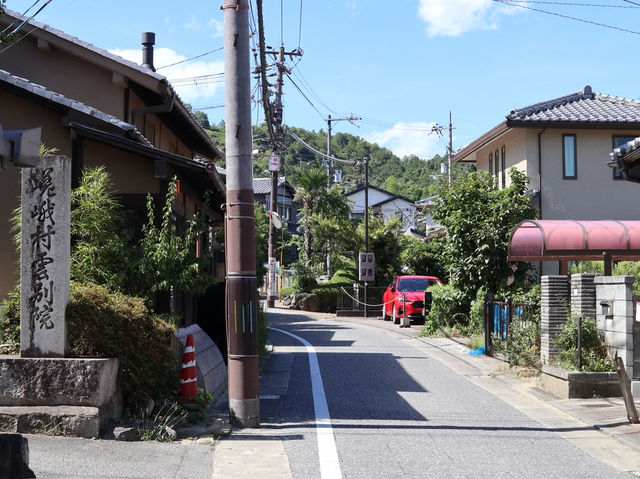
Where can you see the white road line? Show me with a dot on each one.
(327, 452)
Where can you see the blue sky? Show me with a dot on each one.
(401, 66)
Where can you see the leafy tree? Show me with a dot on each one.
(421, 258)
(102, 252)
(262, 241)
(169, 252)
(384, 242)
(311, 184)
(331, 227)
(479, 219)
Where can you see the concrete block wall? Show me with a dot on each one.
(618, 324)
(583, 295)
(554, 308)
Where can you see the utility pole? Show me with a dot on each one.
(437, 129)
(277, 148)
(450, 155)
(366, 222)
(241, 301)
(350, 119)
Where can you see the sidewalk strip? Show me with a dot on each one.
(327, 452)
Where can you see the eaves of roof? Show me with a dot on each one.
(150, 152)
(478, 143)
(389, 200)
(371, 187)
(70, 108)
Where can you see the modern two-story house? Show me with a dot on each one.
(560, 145)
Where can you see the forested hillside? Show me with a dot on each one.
(412, 177)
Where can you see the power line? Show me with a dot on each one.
(319, 153)
(198, 77)
(505, 2)
(305, 96)
(189, 59)
(23, 14)
(207, 107)
(575, 4)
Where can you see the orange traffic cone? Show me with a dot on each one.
(188, 374)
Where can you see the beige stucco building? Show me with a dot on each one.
(101, 110)
(561, 145)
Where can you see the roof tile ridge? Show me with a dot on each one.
(545, 105)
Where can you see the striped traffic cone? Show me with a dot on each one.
(188, 374)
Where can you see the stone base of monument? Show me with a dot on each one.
(71, 396)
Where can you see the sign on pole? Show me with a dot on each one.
(273, 287)
(274, 163)
(367, 266)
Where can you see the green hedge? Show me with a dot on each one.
(104, 324)
(449, 307)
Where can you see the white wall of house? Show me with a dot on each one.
(357, 198)
(402, 209)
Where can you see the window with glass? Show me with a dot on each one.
(503, 159)
(569, 157)
(491, 163)
(497, 164)
(617, 142)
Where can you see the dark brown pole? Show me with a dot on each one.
(241, 286)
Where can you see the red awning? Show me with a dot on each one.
(570, 240)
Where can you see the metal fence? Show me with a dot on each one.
(352, 299)
(500, 315)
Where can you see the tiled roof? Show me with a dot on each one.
(585, 106)
(631, 148)
(40, 91)
(262, 186)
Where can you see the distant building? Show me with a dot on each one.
(385, 205)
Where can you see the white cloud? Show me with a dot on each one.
(192, 90)
(216, 28)
(213, 26)
(455, 17)
(405, 139)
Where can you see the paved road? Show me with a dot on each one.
(400, 408)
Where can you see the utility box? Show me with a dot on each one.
(367, 267)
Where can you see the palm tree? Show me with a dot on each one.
(310, 183)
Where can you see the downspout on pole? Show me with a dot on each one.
(241, 282)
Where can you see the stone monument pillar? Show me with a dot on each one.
(45, 257)
(554, 310)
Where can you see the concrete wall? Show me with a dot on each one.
(617, 323)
